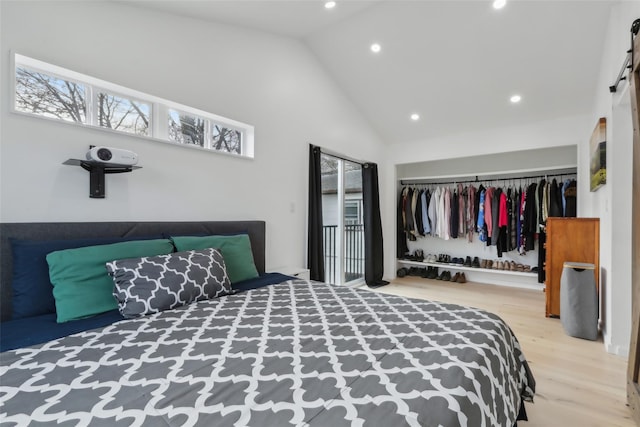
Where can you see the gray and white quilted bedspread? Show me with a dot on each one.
(296, 353)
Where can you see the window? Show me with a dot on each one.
(123, 114)
(186, 129)
(46, 90)
(352, 211)
(226, 139)
(50, 96)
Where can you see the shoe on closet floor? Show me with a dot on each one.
(455, 278)
(461, 278)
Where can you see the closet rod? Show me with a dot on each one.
(403, 182)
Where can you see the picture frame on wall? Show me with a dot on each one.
(598, 152)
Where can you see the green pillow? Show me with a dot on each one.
(81, 285)
(236, 251)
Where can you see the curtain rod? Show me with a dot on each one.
(337, 156)
(406, 182)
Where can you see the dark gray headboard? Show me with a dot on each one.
(79, 230)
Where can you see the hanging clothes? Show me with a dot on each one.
(419, 228)
(433, 212)
(488, 217)
(476, 205)
(462, 229)
(470, 212)
(495, 216)
(530, 218)
(414, 204)
(424, 202)
(571, 195)
(511, 220)
(446, 214)
(455, 215)
(401, 245)
(565, 185)
(501, 243)
(522, 233)
(482, 234)
(555, 207)
(409, 215)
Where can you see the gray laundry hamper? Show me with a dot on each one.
(579, 300)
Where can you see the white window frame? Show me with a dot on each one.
(159, 126)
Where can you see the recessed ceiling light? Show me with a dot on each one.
(330, 5)
(515, 99)
(499, 4)
(375, 48)
(415, 117)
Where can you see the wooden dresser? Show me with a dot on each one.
(569, 239)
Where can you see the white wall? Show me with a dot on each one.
(271, 82)
(612, 202)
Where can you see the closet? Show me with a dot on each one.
(520, 262)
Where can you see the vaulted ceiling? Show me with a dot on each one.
(455, 63)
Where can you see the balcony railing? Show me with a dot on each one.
(353, 256)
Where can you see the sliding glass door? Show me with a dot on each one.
(343, 229)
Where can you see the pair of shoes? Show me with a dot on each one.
(430, 258)
(446, 276)
(475, 263)
(418, 255)
(459, 278)
(467, 262)
(402, 272)
(430, 273)
(444, 258)
(457, 261)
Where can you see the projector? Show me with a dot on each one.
(112, 156)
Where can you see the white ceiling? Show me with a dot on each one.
(454, 62)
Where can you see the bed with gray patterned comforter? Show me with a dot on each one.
(296, 353)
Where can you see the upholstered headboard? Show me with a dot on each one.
(79, 230)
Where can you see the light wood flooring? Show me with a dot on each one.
(577, 382)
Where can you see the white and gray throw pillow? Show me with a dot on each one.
(152, 284)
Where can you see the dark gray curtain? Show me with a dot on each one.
(373, 247)
(315, 249)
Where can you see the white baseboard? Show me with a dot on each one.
(618, 350)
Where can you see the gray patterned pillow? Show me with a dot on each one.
(151, 284)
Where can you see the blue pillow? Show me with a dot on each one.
(32, 289)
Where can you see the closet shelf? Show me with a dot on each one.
(463, 268)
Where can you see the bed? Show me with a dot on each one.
(276, 351)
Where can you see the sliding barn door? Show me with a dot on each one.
(633, 388)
